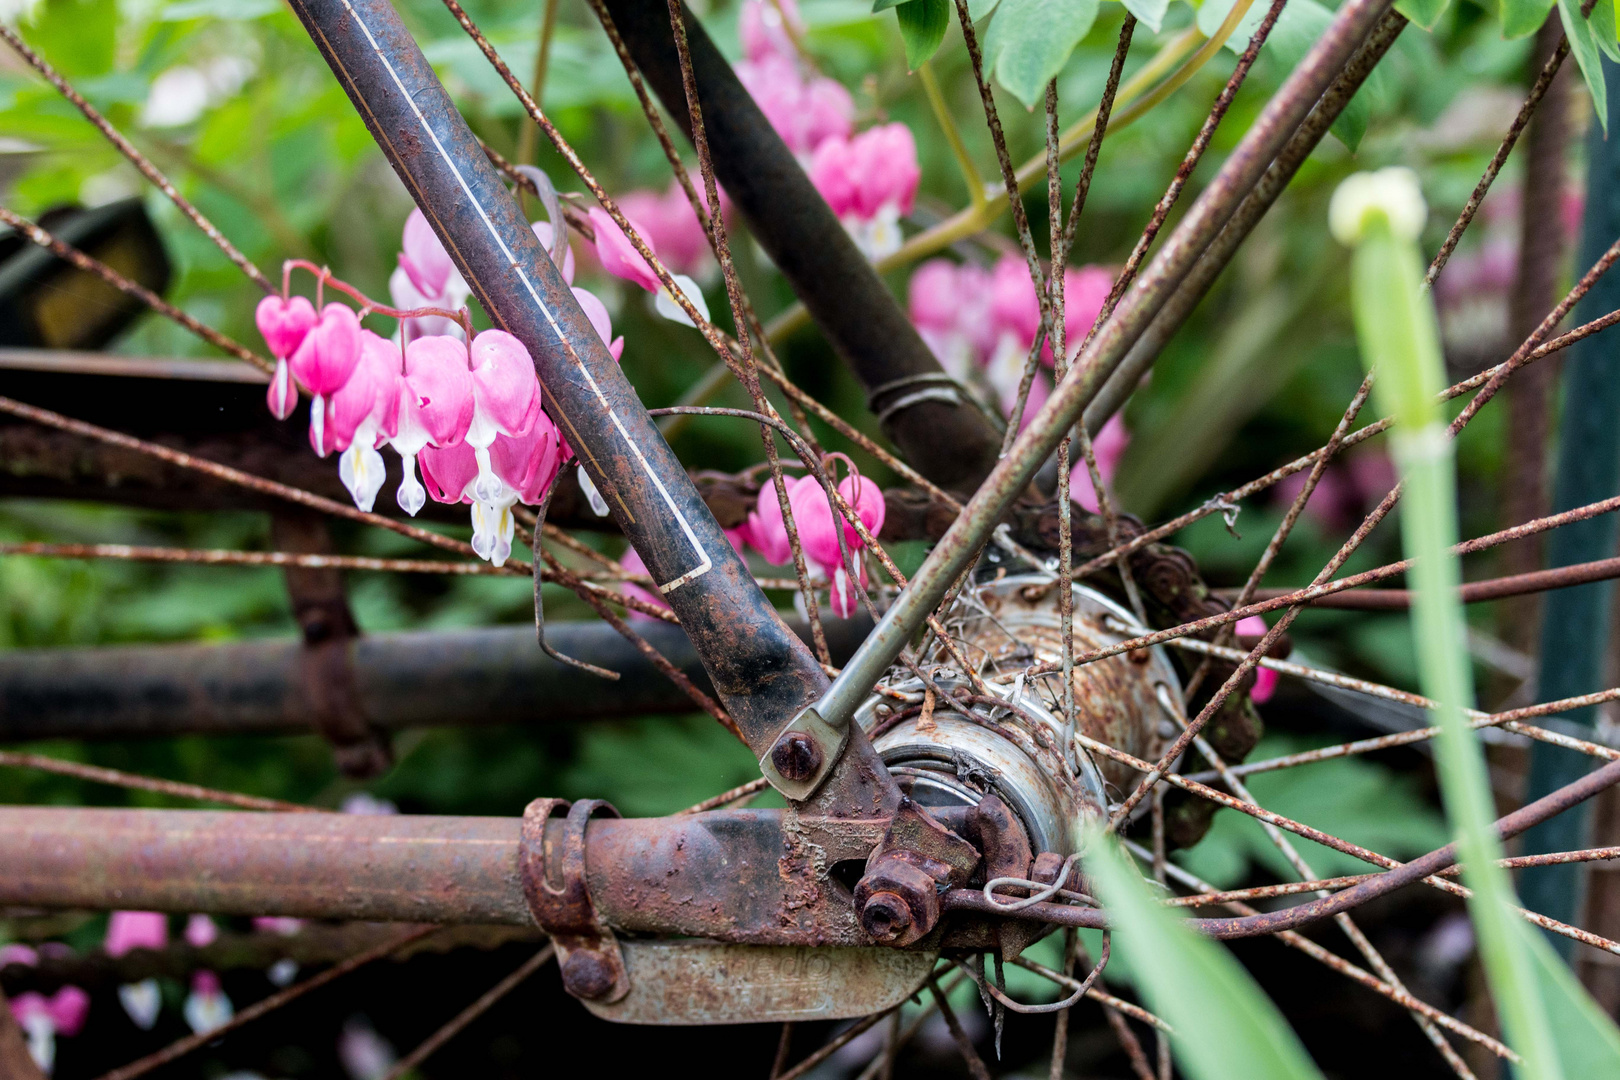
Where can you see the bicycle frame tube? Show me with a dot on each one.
(1209, 214)
(763, 673)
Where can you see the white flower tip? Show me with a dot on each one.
(1393, 192)
(670, 308)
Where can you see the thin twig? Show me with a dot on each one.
(457, 1023)
(97, 774)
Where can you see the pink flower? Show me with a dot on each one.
(435, 407)
(426, 277)
(283, 323)
(326, 357)
(13, 953)
(44, 1018)
(207, 1008)
(765, 529)
(127, 930)
(870, 182)
(1265, 679)
(506, 400)
(424, 259)
(1109, 446)
(1014, 307)
(818, 523)
(768, 27)
(597, 313)
(522, 468)
(805, 111)
(529, 464)
(363, 415)
(449, 472)
(277, 924)
(670, 227)
(201, 931)
(617, 254)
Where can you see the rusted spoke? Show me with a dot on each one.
(130, 288)
(964, 1045)
(136, 158)
(181, 1047)
(97, 774)
(1394, 993)
(1538, 90)
(457, 1023)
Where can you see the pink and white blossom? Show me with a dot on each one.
(128, 930)
(43, 1019)
(435, 407)
(363, 415)
(283, 324)
(670, 227)
(870, 182)
(620, 258)
(1265, 679)
(207, 1008)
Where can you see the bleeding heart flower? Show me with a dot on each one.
(207, 1008)
(44, 1018)
(670, 227)
(814, 514)
(506, 400)
(323, 363)
(435, 407)
(765, 529)
(870, 182)
(424, 259)
(804, 111)
(363, 415)
(283, 323)
(601, 322)
(529, 464)
(620, 258)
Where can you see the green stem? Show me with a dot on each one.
(953, 136)
(1396, 326)
(527, 139)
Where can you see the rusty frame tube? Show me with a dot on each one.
(762, 672)
(731, 875)
(953, 444)
(459, 678)
(1352, 24)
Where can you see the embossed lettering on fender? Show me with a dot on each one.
(707, 982)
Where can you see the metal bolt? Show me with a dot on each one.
(886, 916)
(796, 756)
(587, 975)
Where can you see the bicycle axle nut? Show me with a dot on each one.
(587, 974)
(796, 756)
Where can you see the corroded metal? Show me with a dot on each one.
(488, 675)
(552, 870)
(706, 982)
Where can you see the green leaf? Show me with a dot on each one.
(1030, 41)
(978, 9)
(1150, 13)
(1588, 1042)
(1522, 17)
(922, 28)
(1225, 1027)
(1604, 33)
(1426, 13)
(1583, 44)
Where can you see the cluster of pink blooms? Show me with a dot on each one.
(869, 179)
(44, 1018)
(981, 324)
(817, 521)
(467, 412)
